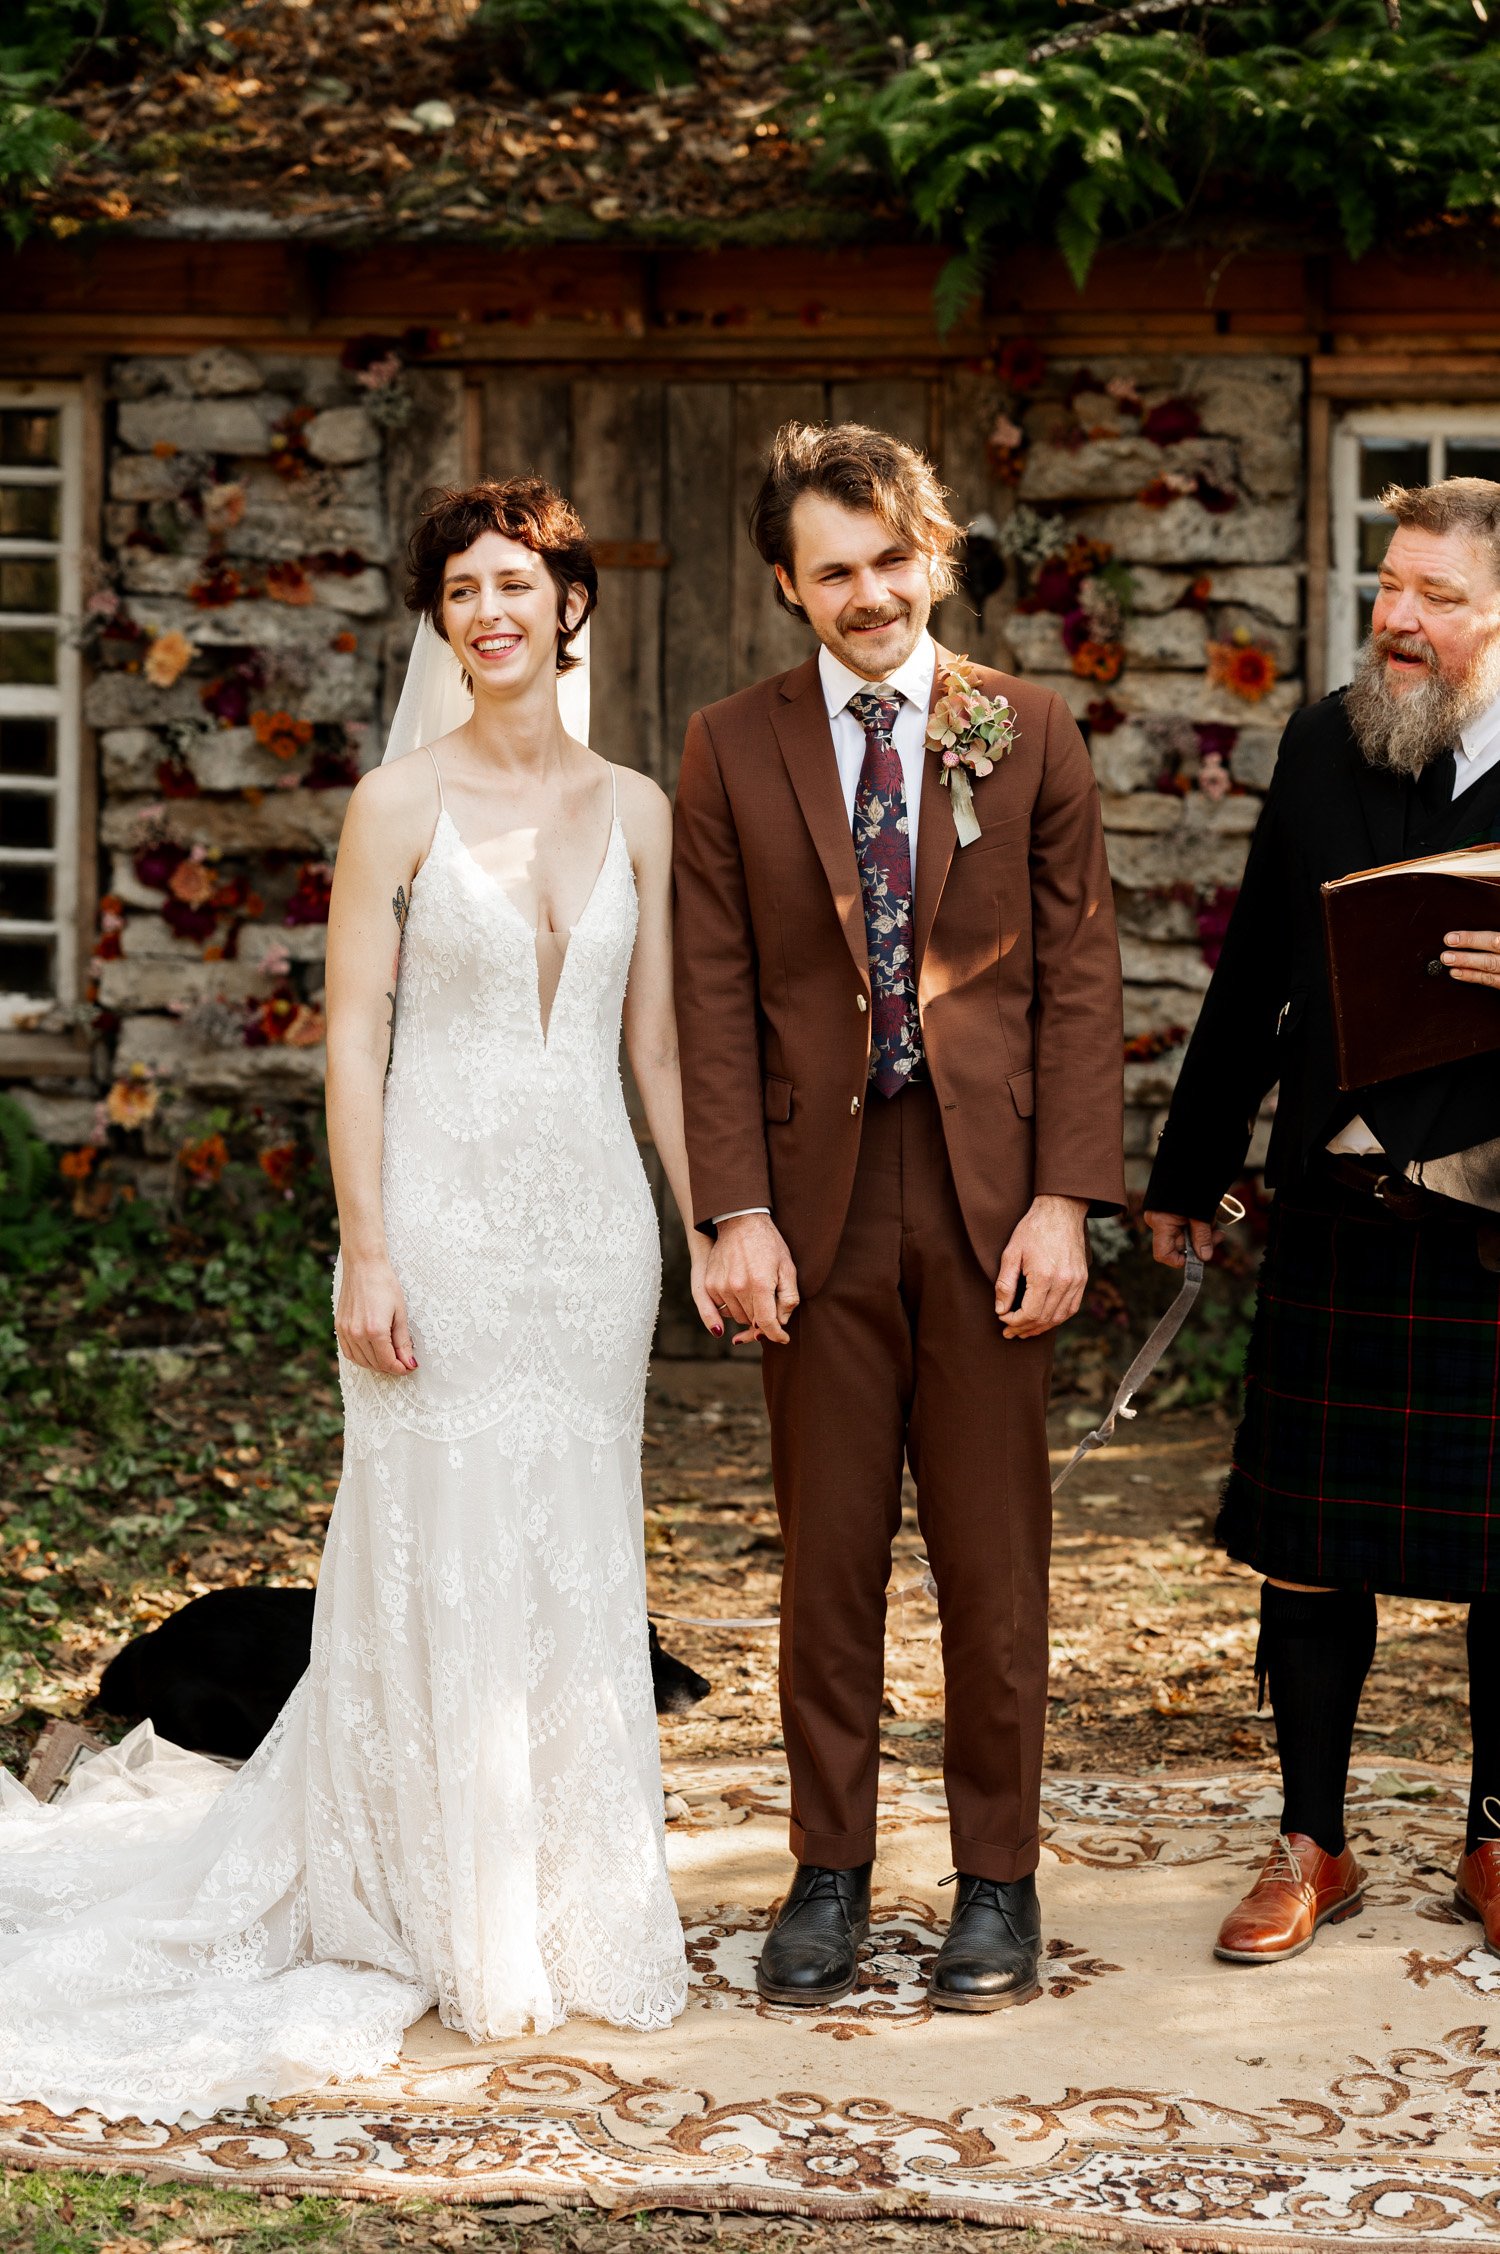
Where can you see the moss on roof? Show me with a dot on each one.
(349, 119)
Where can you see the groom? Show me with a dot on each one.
(902, 1076)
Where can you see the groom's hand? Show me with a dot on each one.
(751, 1275)
(1050, 1249)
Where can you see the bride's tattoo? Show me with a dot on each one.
(399, 906)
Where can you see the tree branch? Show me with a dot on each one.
(1123, 19)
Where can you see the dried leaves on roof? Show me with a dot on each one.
(343, 117)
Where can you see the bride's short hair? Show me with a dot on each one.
(859, 468)
(526, 509)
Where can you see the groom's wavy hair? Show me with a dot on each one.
(526, 509)
(862, 469)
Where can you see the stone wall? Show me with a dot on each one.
(1149, 514)
(244, 629)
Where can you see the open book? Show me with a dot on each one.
(1396, 1008)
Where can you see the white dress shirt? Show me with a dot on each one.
(1478, 751)
(913, 682)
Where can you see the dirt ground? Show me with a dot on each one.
(1153, 1631)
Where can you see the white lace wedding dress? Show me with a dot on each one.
(461, 1803)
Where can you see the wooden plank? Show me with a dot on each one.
(763, 638)
(703, 531)
(526, 428)
(1319, 419)
(971, 401)
(889, 404)
(617, 486)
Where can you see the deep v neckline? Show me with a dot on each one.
(532, 932)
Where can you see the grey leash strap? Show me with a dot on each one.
(1141, 1368)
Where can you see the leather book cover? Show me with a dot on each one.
(1396, 1009)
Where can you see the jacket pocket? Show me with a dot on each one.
(779, 1101)
(1022, 1086)
(1015, 832)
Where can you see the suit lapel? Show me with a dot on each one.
(806, 743)
(937, 839)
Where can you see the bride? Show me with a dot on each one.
(460, 1804)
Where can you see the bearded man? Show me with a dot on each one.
(1369, 1455)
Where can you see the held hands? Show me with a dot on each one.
(750, 1276)
(700, 1248)
(370, 1321)
(1479, 962)
(1049, 1248)
(1169, 1238)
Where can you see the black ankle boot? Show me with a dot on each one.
(811, 1954)
(993, 1948)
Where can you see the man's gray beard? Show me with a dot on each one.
(1404, 731)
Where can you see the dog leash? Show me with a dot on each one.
(1230, 1210)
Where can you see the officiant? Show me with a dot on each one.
(1368, 1459)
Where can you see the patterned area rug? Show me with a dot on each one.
(1346, 2098)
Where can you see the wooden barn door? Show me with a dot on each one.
(663, 474)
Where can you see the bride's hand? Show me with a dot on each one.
(370, 1321)
(709, 1315)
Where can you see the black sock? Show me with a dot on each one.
(1484, 1720)
(1315, 1651)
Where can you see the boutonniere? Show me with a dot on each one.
(969, 731)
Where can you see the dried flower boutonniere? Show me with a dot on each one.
(969, 731)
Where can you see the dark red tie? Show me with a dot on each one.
(882, 849)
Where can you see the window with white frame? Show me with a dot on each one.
(1372, 449)
(40, 721)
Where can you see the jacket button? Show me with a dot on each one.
(854, 1106)
(860, 1004)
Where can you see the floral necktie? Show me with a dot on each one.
(882, 849)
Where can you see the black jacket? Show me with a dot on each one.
(1267, 1016)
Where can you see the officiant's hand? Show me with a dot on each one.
(370, 1321)
(1477, 957)
(752, 1277)
(1170, 1237)
(1050, 1249)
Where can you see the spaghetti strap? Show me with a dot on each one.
(432, 755)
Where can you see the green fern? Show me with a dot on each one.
(1312, 117)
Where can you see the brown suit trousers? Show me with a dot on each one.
(897, 1212)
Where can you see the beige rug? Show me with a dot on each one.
(1349, 2097)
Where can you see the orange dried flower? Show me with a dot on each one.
(288, 583)
(1099, 661)
(206, 1159)
(1243, 668)
(77, 1165)
(279, 1165)
(306, 1028)
(282, 736)
(168, 658)
(194, 882)
(345, 643)
(132, 1100)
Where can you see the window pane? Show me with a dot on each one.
(26, 819)
(29, 512)
(25, 894)
(1366, 601)
(27, 583)
(1374, 539)
(1474, 457)
(28, 747)
(28, 654)
(26, 966)
(29, 437)
(1390, 461)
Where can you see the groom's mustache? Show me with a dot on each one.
(858, 621)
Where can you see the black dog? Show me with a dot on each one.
(216, 1675)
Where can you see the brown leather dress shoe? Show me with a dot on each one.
(1477, 1893)
(1299, 1889)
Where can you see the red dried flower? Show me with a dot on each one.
(204, 1160)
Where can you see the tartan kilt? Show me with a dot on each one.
(1369, 1452)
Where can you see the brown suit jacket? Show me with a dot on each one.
(1018, 971)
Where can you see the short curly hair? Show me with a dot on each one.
(861, 469)
(526, 509)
